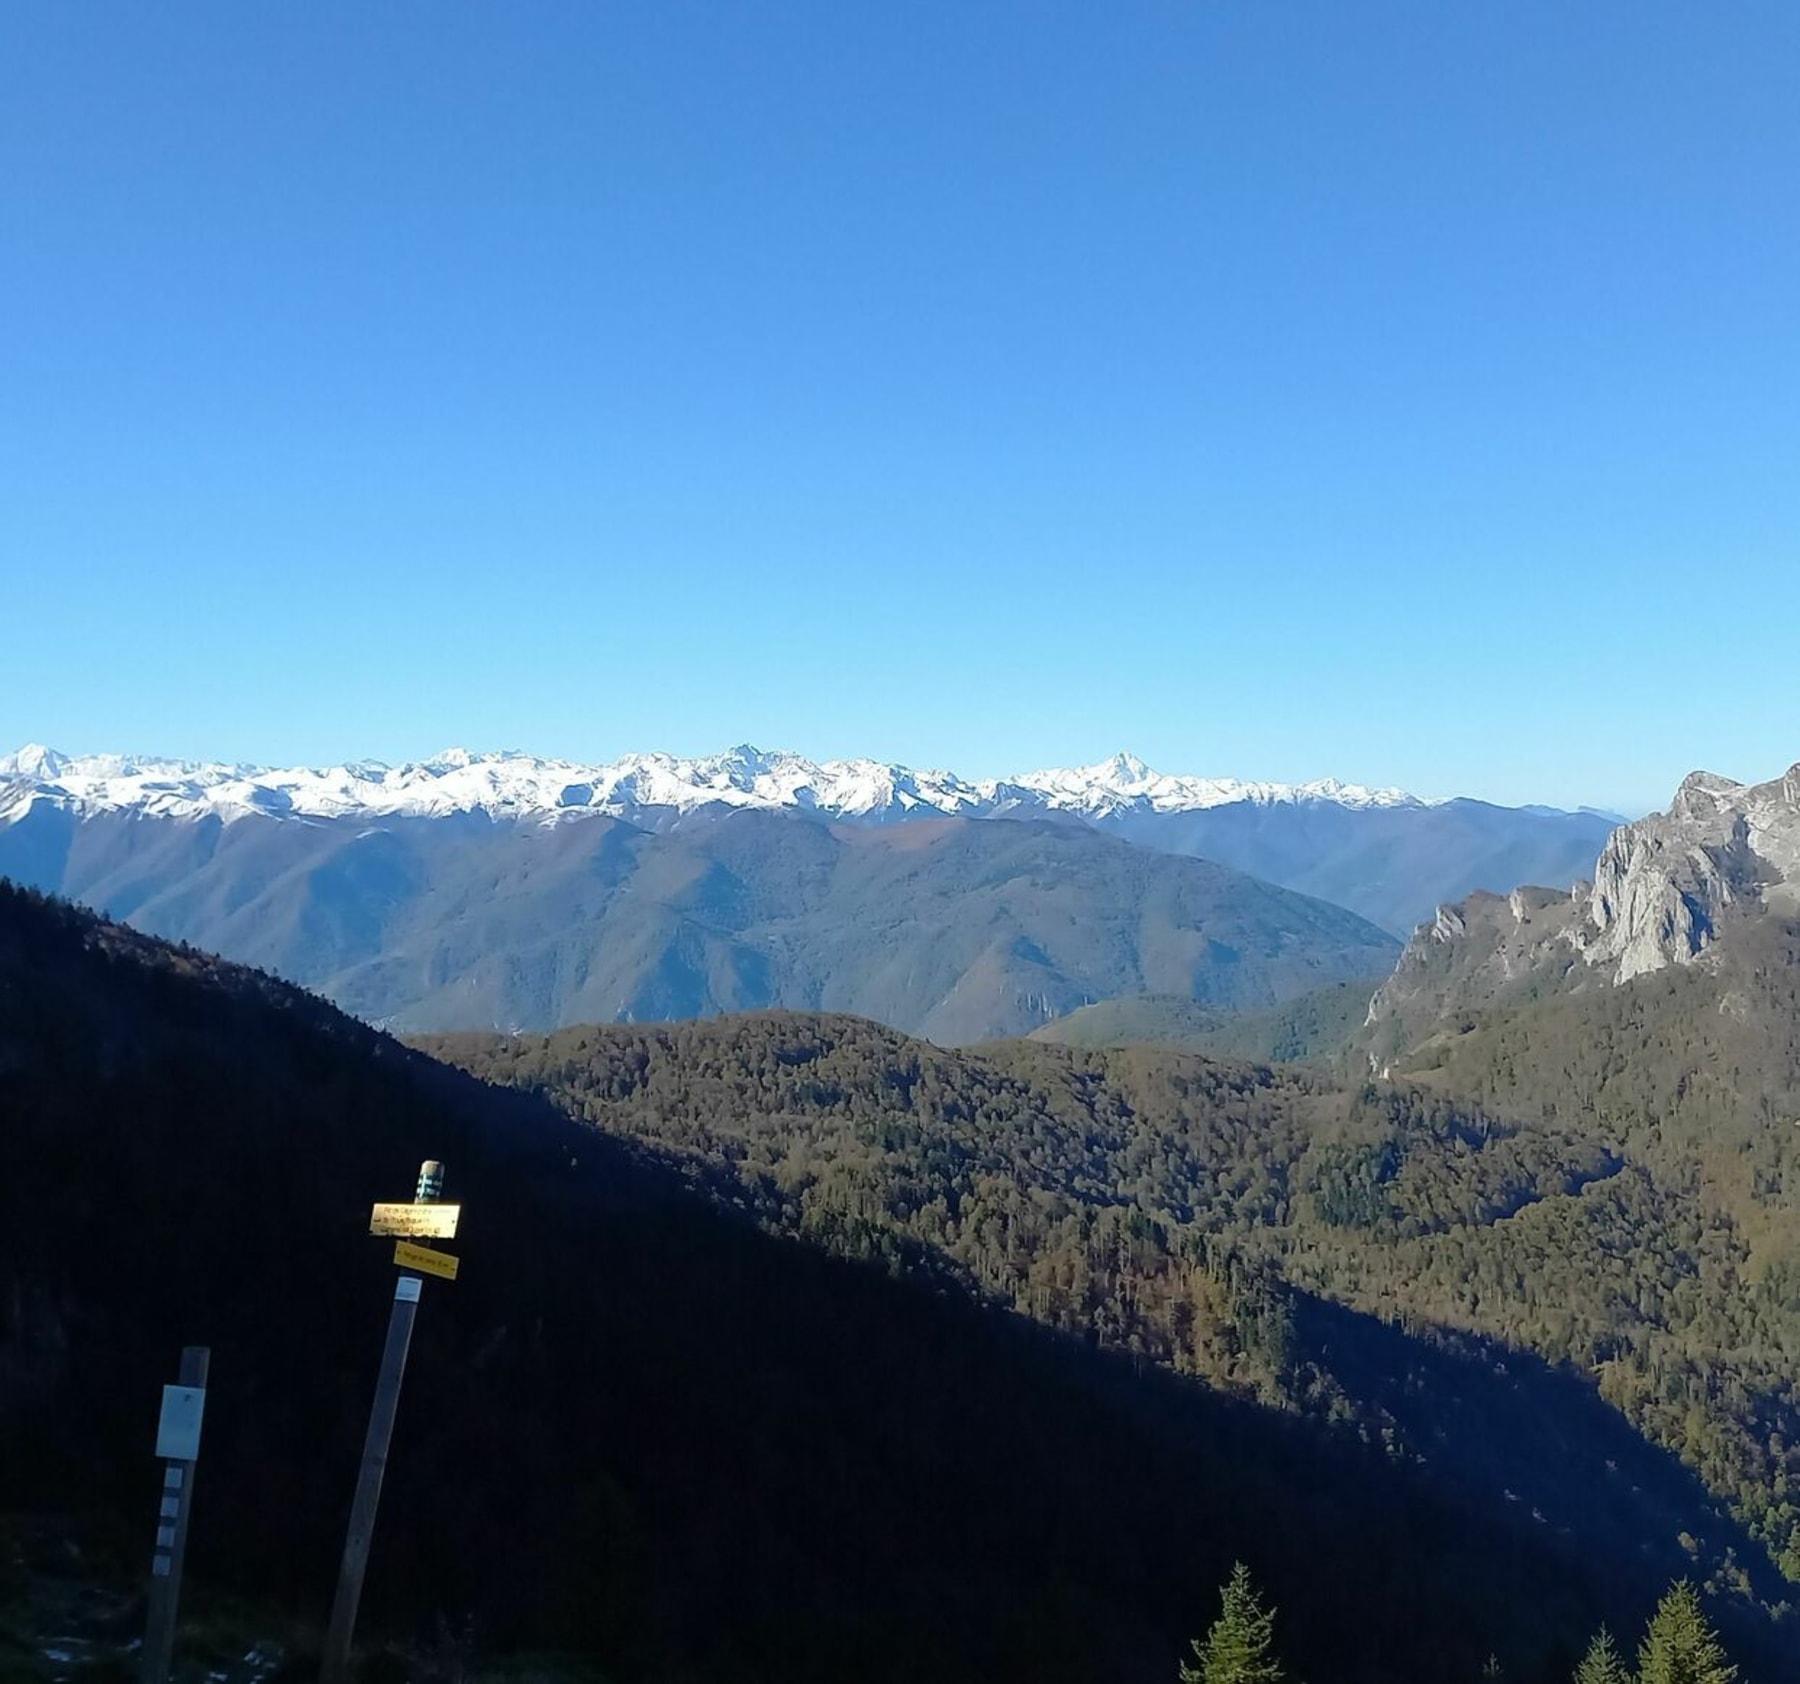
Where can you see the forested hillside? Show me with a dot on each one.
(1693, 1075)
(1226, 1220)
(640, 1431)
(1315, 1027)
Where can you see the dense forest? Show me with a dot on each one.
(642, 1431)
(1316, 1026)
(1216, 1218)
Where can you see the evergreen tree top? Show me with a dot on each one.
(1680, 1646)
(1603, 1664)
(1239, 1649)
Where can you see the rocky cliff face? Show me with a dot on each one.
(1663, 887)
(1475, 954)
(1665, 890)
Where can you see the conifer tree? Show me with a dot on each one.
(1239, 1648)
(1680, 1647)
(1603, 1663)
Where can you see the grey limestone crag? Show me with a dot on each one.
(1663, 886)
(1665, 891)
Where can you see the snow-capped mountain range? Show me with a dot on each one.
(524, 786)
(507, 889)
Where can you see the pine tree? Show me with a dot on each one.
(1238, 1649)
(1602, 1664)
(1680, 1647)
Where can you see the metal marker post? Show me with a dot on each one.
(336, 1668)
(178, 1443)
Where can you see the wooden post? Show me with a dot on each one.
(338, 1635)
(178, 1443)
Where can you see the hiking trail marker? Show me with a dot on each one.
(178, 1444)
(418, 1222)
(424, 1218)
(425, 1260)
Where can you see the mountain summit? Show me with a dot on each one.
(523, 785)
(1387, 856)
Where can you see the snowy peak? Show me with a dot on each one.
(1123, 769)
(513, 784)
(32, 761)
(1124, 781)
(509, 784)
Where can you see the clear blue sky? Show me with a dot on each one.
(1407, 392)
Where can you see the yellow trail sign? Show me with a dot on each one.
(422, 1258)
(419, 1222)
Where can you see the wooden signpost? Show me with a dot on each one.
(425, 1218)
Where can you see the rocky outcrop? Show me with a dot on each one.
(1664, 892)
(1469, 956)
(1664, 887)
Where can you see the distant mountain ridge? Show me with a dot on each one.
(957, 929)
(1387, 856)
(520, 785)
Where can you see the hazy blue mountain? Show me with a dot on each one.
(956, 929)
(1393, 865)
(1388, 855)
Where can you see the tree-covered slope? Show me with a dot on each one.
(1315, 1027)
(1692, 1072)
(637, 1429)
(1225, 1221)
(956, 929)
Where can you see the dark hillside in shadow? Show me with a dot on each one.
(637, 1427)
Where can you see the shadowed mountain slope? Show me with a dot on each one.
(1195, 1214)
(639, 1429)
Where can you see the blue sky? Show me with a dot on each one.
(1406, 392)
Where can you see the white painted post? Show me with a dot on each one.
(178, 1443)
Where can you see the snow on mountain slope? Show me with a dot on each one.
(1125, 781)
(520, 785)
(510, 784)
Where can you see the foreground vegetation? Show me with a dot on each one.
(1206, 1217)
(1679, 1646)
(641, 1431)
(635, 1429)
